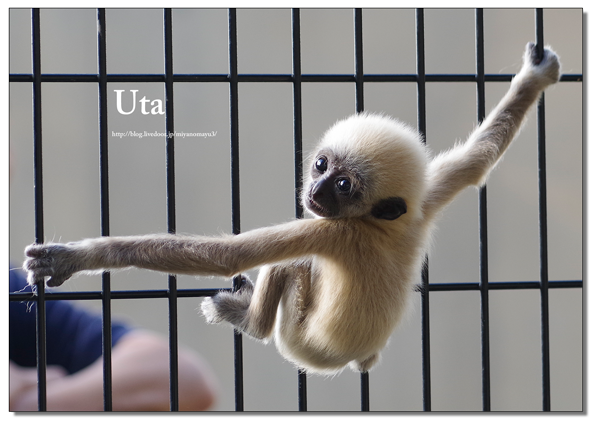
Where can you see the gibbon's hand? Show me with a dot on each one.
(56, 260)
(545, 70)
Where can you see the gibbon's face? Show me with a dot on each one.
(335, 188)
(366, 165)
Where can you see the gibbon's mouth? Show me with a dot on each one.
(317, 208)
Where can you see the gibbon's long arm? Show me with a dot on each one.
(177, 254)
(469, 164)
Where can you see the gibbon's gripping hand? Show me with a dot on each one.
(57, 260)
(544, 71)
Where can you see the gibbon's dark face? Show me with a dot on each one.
(335, 190)
(338, 190)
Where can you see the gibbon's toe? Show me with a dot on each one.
(210, 311)
(246, 284)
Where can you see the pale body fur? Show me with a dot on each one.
(331, 289)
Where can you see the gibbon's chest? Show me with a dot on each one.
(376, 262)
(360, 291)
(369, 276)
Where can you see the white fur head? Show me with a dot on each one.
(363, 160)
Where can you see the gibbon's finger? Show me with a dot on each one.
(36, 250)
(56, 281)
(533, 53)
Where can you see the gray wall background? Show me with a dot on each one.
(138, 185)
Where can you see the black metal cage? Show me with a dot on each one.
(297, 79)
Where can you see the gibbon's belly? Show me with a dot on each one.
(310, 354)
(331, 338)
(350, 316)
(326, 350)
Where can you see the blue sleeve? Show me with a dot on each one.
(73, 335)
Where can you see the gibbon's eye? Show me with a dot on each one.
(343, 185)
(321, 164)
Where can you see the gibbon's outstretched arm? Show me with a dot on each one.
(178, 254)
(470, 164)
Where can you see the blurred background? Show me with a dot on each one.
(138, 183)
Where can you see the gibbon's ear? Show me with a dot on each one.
(390, 208)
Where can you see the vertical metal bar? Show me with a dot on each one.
(297, 89)
(360, 106)
(543, 225)
(483, 238)
(170, 159)
(358, 60)
(235, 193)
(104, 206)
(297, 94)
(365, 403)
(425, 329)
(302, 391)
(38, 202)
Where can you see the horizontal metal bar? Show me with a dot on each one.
(475, 286)
(208, 292)
(17, 77)
(127, 294)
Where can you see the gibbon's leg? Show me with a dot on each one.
(469, 164)
(251, 309)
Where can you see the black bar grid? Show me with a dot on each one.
(209, 292)
(543, 214)
(425, 287)
(266, 78)
(104, 206)
(38, 182)
(235, 193)
(297, 97)
(483, 240)
(360, 106)
(420, 78)
(171, 225)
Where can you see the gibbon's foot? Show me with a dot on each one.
(229, 306)
(245, 284)
(52, 259)
(365, 365)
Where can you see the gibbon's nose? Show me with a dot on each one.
(323, 190)
(319, 188)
